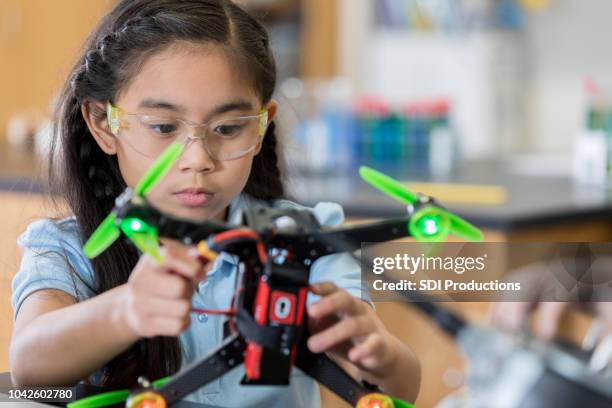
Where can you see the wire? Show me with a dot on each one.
(237, 233)
(244, 234)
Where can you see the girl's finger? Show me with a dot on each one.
(510, 315)
(345, 329)
(182, 264)
(369, 348)
(323, 288)
(549, 316)
(339, 302)
(206, 263)
(166, 285)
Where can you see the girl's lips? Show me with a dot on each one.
(194, 198)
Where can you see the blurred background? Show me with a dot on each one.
(502, 109)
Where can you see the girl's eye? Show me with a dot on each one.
(164, 129)
(229, 129)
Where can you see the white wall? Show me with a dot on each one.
(401, 67)
(566, 42)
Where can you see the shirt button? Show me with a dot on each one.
(203, 318)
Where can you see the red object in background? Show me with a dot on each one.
(591, 87)
(372, 106)
(428, 108)
(441, 107)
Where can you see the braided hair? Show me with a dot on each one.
(89, 180)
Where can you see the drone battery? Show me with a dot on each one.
(275, 307)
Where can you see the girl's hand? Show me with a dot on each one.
(346, 326)
(157, 297)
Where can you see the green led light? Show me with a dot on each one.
(136, 225)
(143, 235)
(430, 226)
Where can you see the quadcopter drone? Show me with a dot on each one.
(267, 320)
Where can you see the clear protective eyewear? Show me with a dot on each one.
(224, 139)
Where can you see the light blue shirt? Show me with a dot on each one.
(51, 249)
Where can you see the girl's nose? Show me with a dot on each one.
(196, 158)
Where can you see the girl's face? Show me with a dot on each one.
(195, 83)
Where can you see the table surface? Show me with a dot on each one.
(532, 200)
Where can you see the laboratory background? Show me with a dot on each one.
(501, 109)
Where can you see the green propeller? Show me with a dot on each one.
(143, 235)
(429, 223)
(110, 398)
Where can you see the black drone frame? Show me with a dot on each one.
(276, 250)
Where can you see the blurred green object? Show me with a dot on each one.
(398, 403)
(159, 169)
(101, 400)
(104, 236)
(110, 398)
(429, 223)
(143, 236)
(387, 185)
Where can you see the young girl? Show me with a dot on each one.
(194, 71)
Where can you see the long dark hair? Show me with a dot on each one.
(89, 180)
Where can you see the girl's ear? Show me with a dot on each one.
(94, 114)
(272, 108)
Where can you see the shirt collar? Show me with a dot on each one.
(236, 212)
